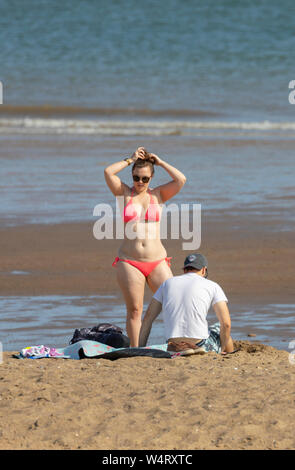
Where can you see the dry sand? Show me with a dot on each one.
(241, 401)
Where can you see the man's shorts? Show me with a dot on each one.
(212, 343)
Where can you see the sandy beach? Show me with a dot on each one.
(242, 401)
(208, 87)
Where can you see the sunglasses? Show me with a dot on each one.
(144, 179)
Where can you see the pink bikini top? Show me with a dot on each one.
(152, 214)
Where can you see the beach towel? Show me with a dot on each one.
(93, 349)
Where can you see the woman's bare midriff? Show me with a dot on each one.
(144, 248)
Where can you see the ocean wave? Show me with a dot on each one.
(29, 125)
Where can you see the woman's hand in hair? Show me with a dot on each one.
(139, 153)
(155, 159)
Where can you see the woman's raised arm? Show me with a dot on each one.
(168, 190)
(110, 173)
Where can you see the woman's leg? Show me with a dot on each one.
(132, 284)
(159, 275)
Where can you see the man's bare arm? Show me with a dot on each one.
(152, 312)
(222, 313)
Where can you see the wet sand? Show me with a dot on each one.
(248, 257)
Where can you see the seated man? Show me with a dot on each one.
(185, 301)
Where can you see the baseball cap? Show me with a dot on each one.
(195, 260)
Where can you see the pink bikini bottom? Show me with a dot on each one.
(144, 267)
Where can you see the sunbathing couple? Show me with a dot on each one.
(184, 300)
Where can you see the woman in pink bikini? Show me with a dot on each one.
(142, 258)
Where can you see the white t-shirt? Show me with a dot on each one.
(186, 300)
